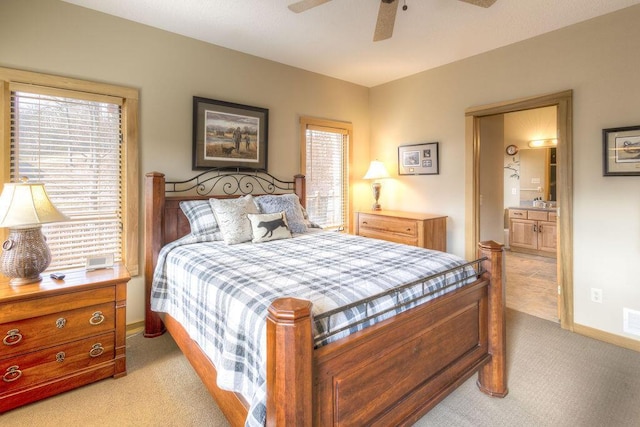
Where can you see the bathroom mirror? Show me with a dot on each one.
(537, 174)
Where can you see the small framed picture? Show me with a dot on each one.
(621, 151)
(418, 159)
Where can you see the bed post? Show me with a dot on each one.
(492, 377)
(300, 188)
(289, 363)
(154, 228)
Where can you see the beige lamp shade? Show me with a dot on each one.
(376, 171)
(23, 204)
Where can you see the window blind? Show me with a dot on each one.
(326, 174)
(74, 146)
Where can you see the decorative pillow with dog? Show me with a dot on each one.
(200, 216)
(269, 227)
(287, 203)
(231, 215)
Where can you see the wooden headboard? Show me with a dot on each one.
(165, 221)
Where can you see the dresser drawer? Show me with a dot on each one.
(406, 227)
(397, 238)
(518, 213)
(18, 310)
(45, 331)
(40, 366)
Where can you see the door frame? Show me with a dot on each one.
(564, 152)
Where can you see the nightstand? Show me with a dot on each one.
(411, 228)
(61, 334)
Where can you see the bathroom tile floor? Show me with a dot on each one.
(532, 285)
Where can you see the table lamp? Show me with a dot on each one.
(24, 207)
(376, 171)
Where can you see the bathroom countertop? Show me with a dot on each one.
(534, 208)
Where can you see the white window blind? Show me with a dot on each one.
(327, 175)
(74, 146)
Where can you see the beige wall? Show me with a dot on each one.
(492, 134)
(599, 60)
(59, 38)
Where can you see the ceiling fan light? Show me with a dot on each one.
(481, 3)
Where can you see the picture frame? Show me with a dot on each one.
(419, 159)
(621, 151)
(229, 135)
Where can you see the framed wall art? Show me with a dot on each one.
(418, 159)
(228, 135)
(621, 151)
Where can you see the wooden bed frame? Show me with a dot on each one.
(391, 373)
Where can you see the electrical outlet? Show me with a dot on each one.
(514, 191)
(596, 295)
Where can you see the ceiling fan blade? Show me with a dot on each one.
(386, 20)
(481, 3)
(303, 5)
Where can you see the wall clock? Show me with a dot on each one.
(512, 150)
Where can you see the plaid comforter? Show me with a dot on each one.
(220, 293)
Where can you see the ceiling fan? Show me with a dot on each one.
(386, 14)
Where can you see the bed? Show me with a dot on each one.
(390, 372)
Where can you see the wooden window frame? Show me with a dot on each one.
(130, 106)
(339, 127)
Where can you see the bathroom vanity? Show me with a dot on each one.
(533, 230)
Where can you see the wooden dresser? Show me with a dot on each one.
(61, 334)
(411, 228)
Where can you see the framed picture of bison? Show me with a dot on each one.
(228, 135)
(621, 151)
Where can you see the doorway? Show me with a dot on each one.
(517, 184)
(563, 101)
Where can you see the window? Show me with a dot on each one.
(80, 139)
(325, 163)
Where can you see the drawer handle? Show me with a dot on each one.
(13, 337)
(60, 357)
(518, 213)
(61, 323)
(365, 222)
(12, 374)
(96, 350)
(96, 318)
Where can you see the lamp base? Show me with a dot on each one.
(375, 187)
(25, 255)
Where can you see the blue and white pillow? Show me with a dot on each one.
(200, 216)
(287, 203)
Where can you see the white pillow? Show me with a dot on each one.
(267, 227)
(231, 215)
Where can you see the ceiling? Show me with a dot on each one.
(335, 39)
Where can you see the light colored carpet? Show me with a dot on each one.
(556, 378)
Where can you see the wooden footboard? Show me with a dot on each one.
(395, 371)
(388, 374)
